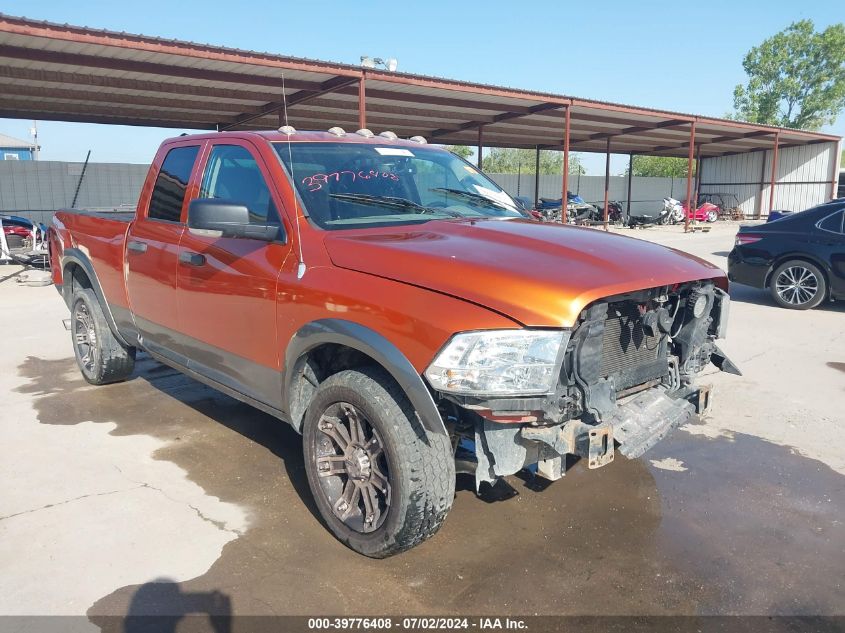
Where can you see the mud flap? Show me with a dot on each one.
(646, 419)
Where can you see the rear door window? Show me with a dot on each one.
(171, 184)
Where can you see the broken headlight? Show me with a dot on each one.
(499, 363)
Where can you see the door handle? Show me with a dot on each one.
(192, 259)
(137, 247)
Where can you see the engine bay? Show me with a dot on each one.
(626, 377)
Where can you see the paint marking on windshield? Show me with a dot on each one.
(315, 182)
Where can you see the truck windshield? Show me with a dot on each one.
(353, 185)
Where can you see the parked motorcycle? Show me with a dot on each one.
(576, 209)
(677, 211)
(664, 216)
(615, 215)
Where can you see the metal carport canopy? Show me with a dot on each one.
(69, 73)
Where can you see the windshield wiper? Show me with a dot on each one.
(473, 196)
(391, 202)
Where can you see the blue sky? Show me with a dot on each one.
(682, 56)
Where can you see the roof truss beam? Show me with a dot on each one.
(117, 98)
(121, 83)
(670, 124)
(718, 139)
(149, 68)
(330, 85)
(504, 116)
(399, 98)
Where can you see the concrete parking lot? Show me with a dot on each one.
(158, 493)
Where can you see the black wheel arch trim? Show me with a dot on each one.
(78, 258)
(374, 345)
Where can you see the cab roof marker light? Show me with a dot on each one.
(337, 131)
(287, 130)
(389, 135)
(365, 133)
(419, 139)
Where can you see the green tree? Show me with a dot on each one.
(511, 161)
(461, 150)
(796, 78)
(660, 167)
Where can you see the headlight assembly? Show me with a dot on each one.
(498, 363)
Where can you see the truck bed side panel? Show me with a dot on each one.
(101, 238)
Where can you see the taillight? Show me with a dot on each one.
(746, 238)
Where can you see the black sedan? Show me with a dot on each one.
(800, 258)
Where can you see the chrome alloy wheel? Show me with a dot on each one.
(797, 285)
(352, 468)
(85, 337)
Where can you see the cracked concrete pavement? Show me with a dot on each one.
(83, 511)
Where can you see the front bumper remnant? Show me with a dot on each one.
(646, 419)
(637, 424)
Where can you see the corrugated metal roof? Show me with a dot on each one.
(72, 73)
(8, 142)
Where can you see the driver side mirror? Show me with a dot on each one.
(210, 217)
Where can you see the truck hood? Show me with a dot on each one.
(540, 275)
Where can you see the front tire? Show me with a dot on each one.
(381, 482)
(101, 358)
(798, 285)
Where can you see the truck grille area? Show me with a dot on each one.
(629, 355)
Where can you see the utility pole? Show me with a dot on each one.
(34, 133)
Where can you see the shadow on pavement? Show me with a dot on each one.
(759, 296)
(160, 606)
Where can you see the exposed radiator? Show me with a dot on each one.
(626, 346)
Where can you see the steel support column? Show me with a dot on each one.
(537, 177)
(697, 195)
(774, 176)
(564, 200)
(758, 212)
(480, 160)
(606, 182)
(690, 159)
(362, 101)
(630, 178)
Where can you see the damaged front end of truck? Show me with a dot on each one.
(623, 377)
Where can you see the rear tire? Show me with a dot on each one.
(101, 358)
(798, 285)
(381, 482)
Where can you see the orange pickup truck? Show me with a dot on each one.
(392, 304)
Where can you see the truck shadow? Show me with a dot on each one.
(735, 525)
